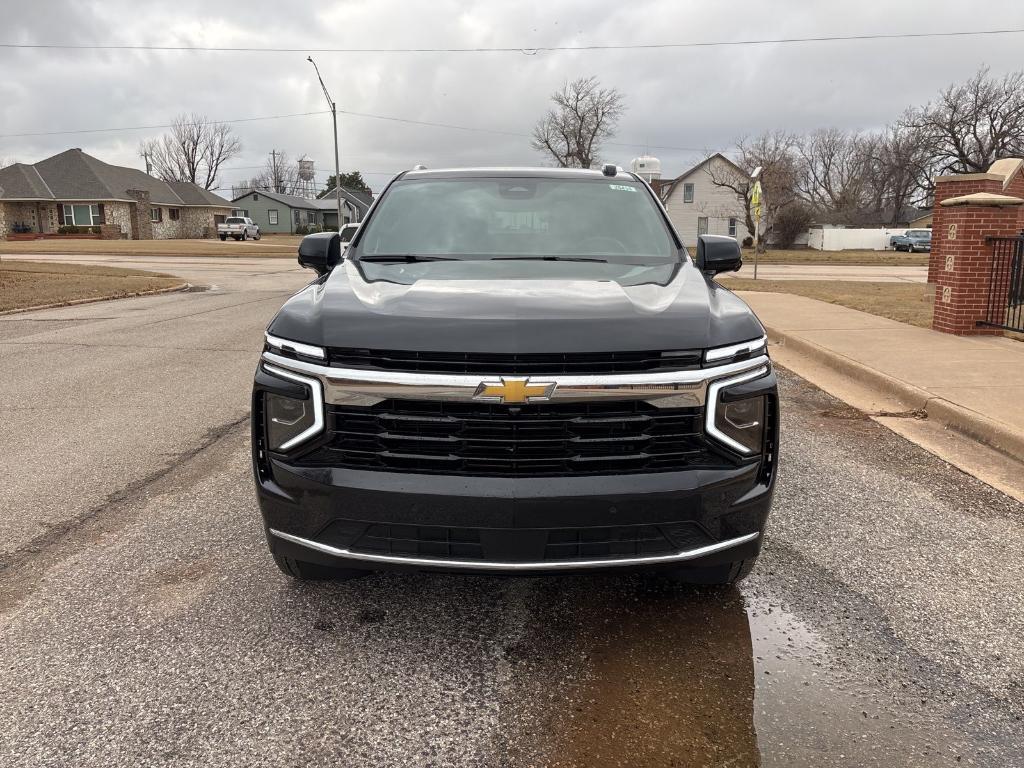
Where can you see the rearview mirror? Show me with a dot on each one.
(718, 253)
(320, 252)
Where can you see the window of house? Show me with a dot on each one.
(81, 215)
(732, 227)
(173, 214)
(702, 225)
(687, 193)
(240, 212)
(297, 216)
(272, 216)
(156, 215)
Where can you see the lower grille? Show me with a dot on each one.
(558, 544)
(500, 440)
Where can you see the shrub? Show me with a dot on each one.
(331, 228)
(748, 242)
(302, 229)
(94, 230)
(791, 222)
(69, 229)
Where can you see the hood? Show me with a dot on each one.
(550, 312)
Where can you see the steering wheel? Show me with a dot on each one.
(603, 240)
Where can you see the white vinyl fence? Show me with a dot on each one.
(842, 239)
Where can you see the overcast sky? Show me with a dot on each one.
(695, 99)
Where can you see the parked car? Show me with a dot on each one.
(238, 227)
(519, 371)
(347, 232)
(912, 240)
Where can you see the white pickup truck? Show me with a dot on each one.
(238, 227)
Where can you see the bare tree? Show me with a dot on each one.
(897, 170)
(194, 150)
(584, 115)
(834, 171)
(774, 152)
(972, 124)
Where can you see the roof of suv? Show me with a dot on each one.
(512, 172)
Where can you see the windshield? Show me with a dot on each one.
(604, 219)
(920, 233)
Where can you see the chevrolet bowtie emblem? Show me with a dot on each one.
(511, 390)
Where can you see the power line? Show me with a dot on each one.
(525, 50)
(154, 127)
(389, 118)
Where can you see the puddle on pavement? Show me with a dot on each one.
(710, 678)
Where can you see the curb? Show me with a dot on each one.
(93, 300)
(969, 423)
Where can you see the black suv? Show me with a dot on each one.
(518, 371)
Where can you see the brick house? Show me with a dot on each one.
(76, 189)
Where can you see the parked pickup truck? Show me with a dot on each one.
(912, 240)
(238, 227)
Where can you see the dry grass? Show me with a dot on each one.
(907, 302)
(274, 246)
(811, 256)
(30, 284)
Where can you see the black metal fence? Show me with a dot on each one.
(1006, 289)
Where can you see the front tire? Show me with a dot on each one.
(300, 570)
(258, 235)
(727, 573)
(223, 238)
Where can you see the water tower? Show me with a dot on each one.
(306, 185)
(646, 167)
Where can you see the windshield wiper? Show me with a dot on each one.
(385, 258)
(549, 258)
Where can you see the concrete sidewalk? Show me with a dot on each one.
(855, 272)
(974, 385)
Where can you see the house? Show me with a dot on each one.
(923, 221)
(76, 190)
(697, 206)
(276, 212)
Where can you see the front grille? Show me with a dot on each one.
(514, 364)
(501, 440)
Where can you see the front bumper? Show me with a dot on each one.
(707, 514)
(706, 517)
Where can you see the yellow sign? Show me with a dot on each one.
(514, 391)
(755, 199)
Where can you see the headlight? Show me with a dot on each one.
(290, 420)
(737, 422)
(743, 422)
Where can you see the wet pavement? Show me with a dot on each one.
(881, 627)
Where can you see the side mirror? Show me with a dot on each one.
(718, 253)
(320, 252)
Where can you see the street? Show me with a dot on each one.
(143, 622)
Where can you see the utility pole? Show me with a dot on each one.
(334, 117)
(275, 177)
(149, 167)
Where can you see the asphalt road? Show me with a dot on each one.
(142, 621)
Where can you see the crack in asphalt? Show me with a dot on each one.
(23, 568)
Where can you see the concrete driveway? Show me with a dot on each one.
(142, 621)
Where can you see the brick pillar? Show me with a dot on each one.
(960, 266)
(142, 227)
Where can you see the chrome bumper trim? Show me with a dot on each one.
(497, 565)
(668, 389)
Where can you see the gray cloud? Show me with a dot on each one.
(700, 98)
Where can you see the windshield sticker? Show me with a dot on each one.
(622, 188)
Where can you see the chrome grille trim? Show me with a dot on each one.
(498, 565)
(667, 389)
